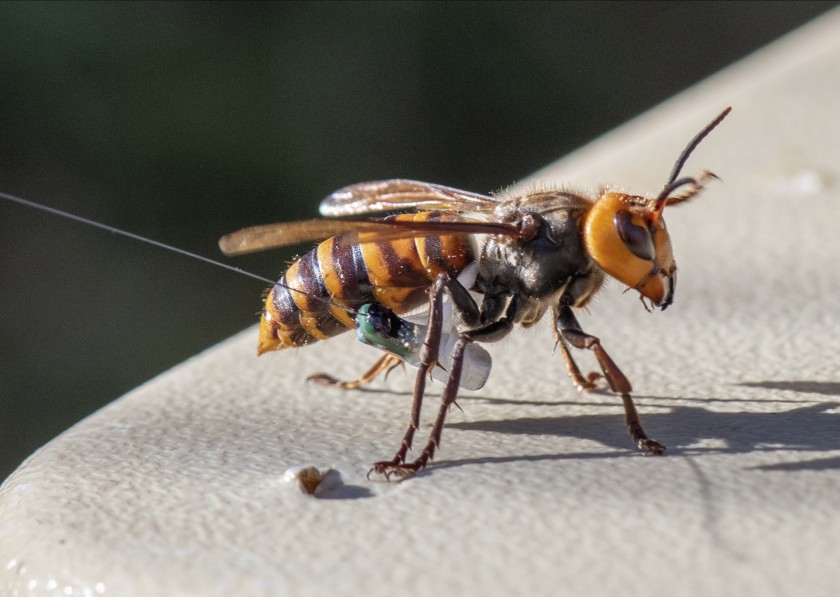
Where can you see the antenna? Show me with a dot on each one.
(692, 145)
(673, 183)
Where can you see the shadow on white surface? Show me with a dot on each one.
(827, 388)
(686, 430)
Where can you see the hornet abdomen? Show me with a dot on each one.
(394, 273)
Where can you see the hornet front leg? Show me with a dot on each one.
(569, 330)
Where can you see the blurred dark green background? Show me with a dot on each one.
(184, 121)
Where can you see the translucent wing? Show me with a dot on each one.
(270, 236)
(399, 194)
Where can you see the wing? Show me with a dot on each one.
(397, 193)
(271, 236)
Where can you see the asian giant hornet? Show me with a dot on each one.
(536, 251)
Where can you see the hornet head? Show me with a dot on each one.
(626, 234)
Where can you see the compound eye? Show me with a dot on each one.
(636, 238)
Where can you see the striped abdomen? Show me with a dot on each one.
(395, 273)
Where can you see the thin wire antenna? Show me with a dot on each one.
(160, 245)
(692, 145)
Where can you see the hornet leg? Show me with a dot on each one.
(386, 364)
(428, 360)
(450, 392)
(487, 333)
(586, 383)
(468, 312)
(571, 332)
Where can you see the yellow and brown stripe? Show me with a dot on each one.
(395, 273)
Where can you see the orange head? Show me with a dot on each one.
(626, 235)
(628, 239)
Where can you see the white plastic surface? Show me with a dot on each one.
(178, 488)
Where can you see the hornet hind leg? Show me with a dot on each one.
(386, 364)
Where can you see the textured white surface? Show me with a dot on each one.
(178, 487)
